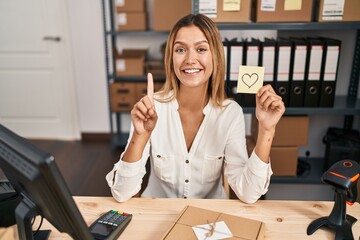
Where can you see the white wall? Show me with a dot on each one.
(89, 64)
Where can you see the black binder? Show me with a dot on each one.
(251, 58)
(313, 72)
(329, 71)
(282, 69)
(267, 60)
(236, 56)
(297, 72)
(226, 44)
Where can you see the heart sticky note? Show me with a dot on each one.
(250, 79)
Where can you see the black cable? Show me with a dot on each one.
(38, 229)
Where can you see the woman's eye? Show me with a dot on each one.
(180, 50)
(202, 49)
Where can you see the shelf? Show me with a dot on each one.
(136, 78)
(290, 26)
(313, 176)
(340, 108)
(137, 33)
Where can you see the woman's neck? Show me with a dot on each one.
(192, 98)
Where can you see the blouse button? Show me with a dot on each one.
(158, 156)
(185, 197)
(219, 157)
(187, 180)
(186, 161)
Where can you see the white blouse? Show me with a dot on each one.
(178, 173)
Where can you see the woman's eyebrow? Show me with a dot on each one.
(196, 43)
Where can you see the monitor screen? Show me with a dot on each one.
(35, 176)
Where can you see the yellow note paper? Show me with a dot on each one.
(291, 5)
(231, 5)
(251, 79)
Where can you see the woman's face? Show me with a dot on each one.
(192, 58)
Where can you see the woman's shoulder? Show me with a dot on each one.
(231, 105)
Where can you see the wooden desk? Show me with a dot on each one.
(153, 217)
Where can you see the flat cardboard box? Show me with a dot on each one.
(130, 5)
(131, 21)
(284, 160)
(167, 12)
(157, 68)
(241, 228)
(281, 14)
(243, 15)
(131, 62)
(290, 131)
(351, 12)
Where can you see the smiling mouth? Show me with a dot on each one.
(191, 70)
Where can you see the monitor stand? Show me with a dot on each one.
(25, 212)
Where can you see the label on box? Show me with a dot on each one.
(208, 8)
(212, 231)
(120, 3)
(122, 19)
(292, 5)
(268, 5)
(120, 65)
(333, 9)
(231, 5)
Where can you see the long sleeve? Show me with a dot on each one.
(125, 178)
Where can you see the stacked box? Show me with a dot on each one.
(130, 15)
(291, 132)
(131, 62)
(341, 11)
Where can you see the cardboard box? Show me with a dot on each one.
(330, 12)
(156, 68)
(122, 96)
(284, 160)
(131, 21)
(241, 228)
(131, 62)
(281, 12)
(290, 131)
(242, 15)
(130, 5)
(167, 12)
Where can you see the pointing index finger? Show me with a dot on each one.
(150, 87)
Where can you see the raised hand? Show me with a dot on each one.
(143, 114)
(269, 107)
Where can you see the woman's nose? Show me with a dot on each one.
(190, 56)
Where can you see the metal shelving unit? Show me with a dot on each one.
(347, 106)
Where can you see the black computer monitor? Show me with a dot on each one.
(35, 176)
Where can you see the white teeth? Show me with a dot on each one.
(191, 70)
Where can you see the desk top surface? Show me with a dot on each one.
(153, 217)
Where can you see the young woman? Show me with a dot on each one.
(190, 131)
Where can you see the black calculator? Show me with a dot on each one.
(110, 225)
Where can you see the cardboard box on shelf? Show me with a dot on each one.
(131, 21)
(156, 68)
(284, 160)
(233, 13)
(130, 5)
(290, 131)
(131, 62)
(240, 228)
(341, 11)
(122, 96)
(285, 11)
(167, 12)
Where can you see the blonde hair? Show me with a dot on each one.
(216, 86)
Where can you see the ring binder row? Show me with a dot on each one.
(303, 71)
